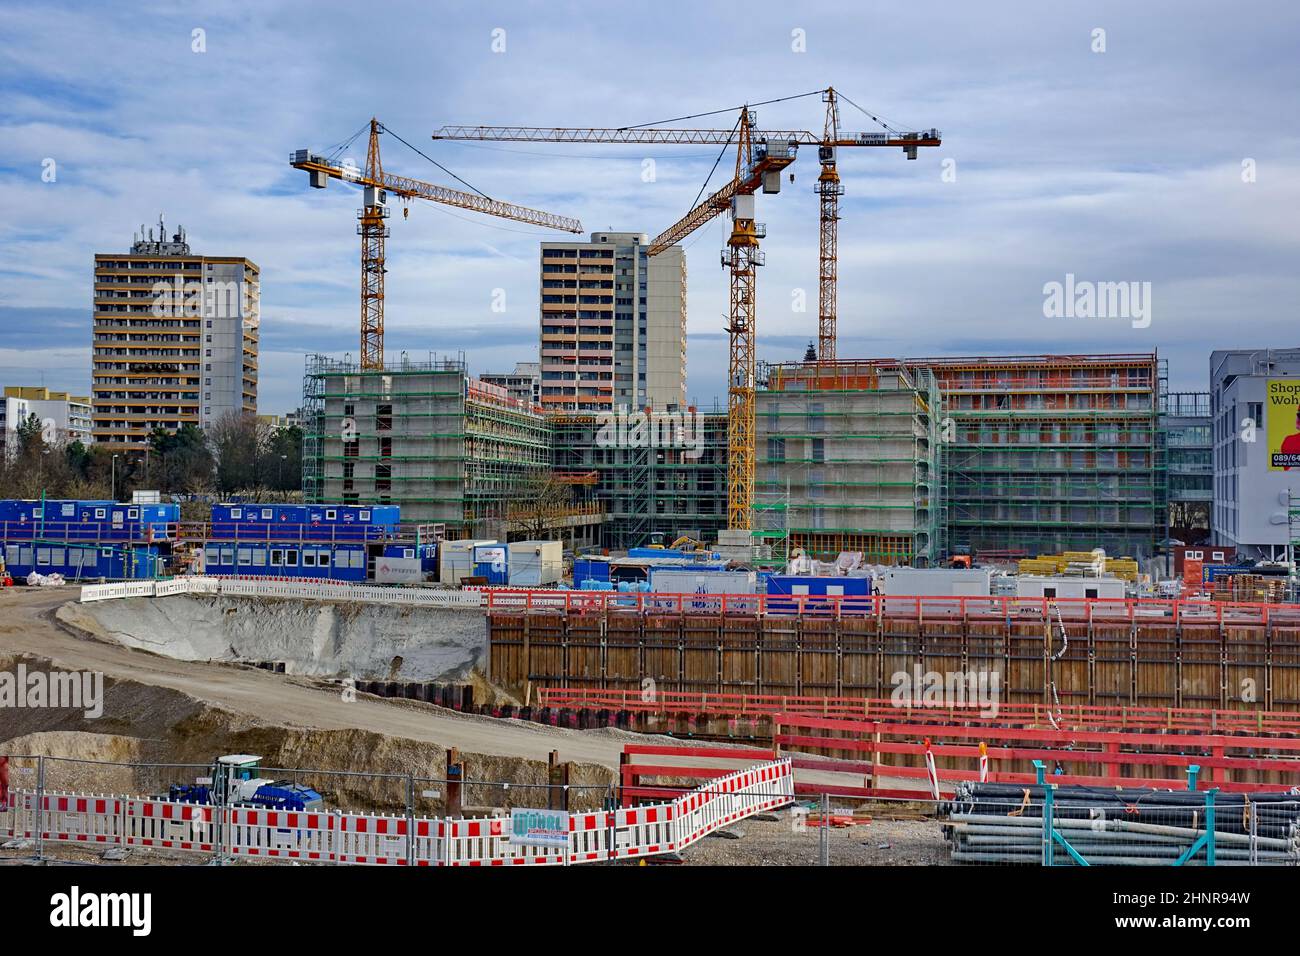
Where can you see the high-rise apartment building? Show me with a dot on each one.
(613, 325)
(175, 338)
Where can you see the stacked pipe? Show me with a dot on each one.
(1003, 823)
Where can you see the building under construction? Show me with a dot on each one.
(1049, 453)
(847, 459)
(647, 473)
(425, 435)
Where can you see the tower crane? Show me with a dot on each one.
(829, 189)
(758, 165)
(376, 186)
(761, 155)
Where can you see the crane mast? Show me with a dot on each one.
(373, 229)
(829, 190)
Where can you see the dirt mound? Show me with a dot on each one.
(315, 638)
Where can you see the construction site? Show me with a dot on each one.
(579, 620)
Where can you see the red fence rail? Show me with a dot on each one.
(1067, 717)
(1100, 610)
(1088, 758)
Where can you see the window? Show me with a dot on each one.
(1216, 556)
(236, 513)
(99, 513)
(364, 516)
(1090, 592)
(1049, 592)
(309, 559)
(331, 514)
(228, 556)
(384, 418)
(211, 557)
(290, 557)
(259, 557)
(277, 557)
(323, 559)
(245, 556)
(267, 514)
(133, 513)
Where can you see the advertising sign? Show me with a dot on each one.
(398, 571)
(1282, 416)
(539, 827)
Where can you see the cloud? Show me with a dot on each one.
(1125, 165)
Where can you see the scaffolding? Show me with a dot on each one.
(1054, 453)
(848, 460)
(646, 486)
(422, 435)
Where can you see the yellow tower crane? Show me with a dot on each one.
(376, 186)
(759, 163)
(761, 155)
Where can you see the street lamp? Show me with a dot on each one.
(114, 479)
(280, 476)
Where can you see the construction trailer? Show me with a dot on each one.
(87, 538)
(848, 459)
(935, 582)
(693, 581)
(1063, 586)
(456, 559)
(330, 541)
(1051, 453)
(536, 563)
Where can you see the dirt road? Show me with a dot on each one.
(26, 629)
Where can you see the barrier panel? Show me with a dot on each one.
(164, 824)
(296, 588)
(370, 839)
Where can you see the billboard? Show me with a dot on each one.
(1282, 416)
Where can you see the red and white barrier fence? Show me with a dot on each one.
(382, 840)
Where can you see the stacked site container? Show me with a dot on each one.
(86, 539)
(334, 542)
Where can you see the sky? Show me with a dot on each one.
(1115, 142)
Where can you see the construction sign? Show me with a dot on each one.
(1282, 415)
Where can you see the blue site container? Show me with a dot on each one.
(492, 561)
(298, 559)
(58, 519)
(591, 569)
(78, 562)
(788, 593)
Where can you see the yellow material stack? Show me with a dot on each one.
(1081, 563)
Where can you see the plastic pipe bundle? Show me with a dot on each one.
(1003, 823)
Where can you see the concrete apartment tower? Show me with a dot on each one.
(613, 325)
(175, 340)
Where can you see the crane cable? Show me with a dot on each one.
(434, 161)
